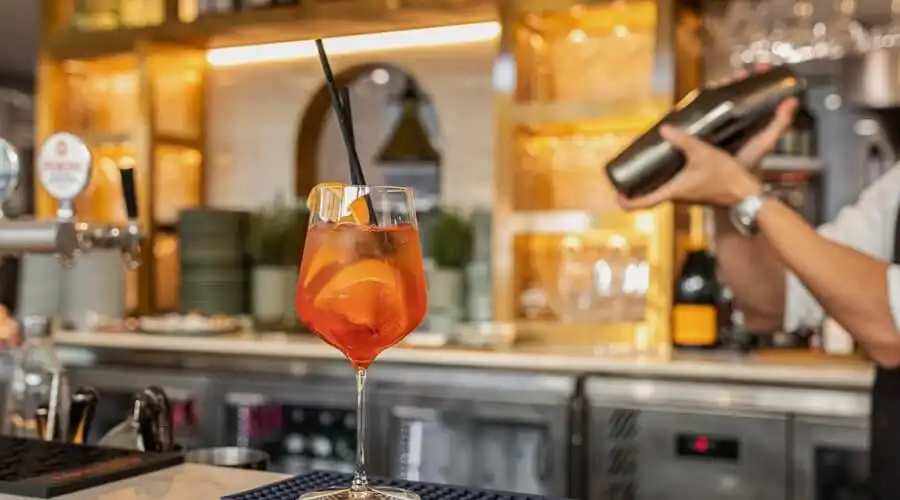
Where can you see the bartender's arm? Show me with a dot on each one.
(858, 290)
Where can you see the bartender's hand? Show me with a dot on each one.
(10, 335)
(710, 175)
(761, 144)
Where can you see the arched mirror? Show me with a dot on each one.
(397, 134)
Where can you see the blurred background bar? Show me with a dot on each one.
(548, 362)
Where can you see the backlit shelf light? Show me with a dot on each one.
(375, 42)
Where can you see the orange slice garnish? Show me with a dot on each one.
(332, 194)
(369, 293)
(329, 193)
(359, 210)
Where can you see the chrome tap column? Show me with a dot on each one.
(64, 169)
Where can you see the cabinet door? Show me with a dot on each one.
(831, 458)
(672, 455)
(428, 439)
(304, 424)
(511, 456)
(520, 447)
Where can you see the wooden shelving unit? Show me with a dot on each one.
(141, 106)
(131, 85)
(306, 20)
(568, 266)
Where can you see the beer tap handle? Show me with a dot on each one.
(131, 239)
(165, 425)
(81, 414)
(129, 190)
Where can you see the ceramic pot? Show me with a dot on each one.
(445, 299)
(271, 286)
(290, 318)
(478, 292)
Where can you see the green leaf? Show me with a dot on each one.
(277, 233)
(450, 240)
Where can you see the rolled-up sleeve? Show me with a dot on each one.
(800, 308)
(867, 226)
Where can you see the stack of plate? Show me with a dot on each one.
(214, 267)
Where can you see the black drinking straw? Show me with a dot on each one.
(340, 113)
(340, 103)
(356, 175)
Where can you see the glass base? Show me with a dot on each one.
(370, 493)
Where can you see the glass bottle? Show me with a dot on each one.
(695, 323)
(37, 399)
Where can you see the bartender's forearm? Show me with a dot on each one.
(852, 287)
(754, 273)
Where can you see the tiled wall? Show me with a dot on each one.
(254, 112)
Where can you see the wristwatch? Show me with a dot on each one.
(745, 213)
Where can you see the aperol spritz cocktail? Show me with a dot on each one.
(361, 288)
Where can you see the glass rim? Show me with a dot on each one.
(377, 187)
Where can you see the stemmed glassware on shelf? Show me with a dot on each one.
(795, 31)
(886, 36)
(746, 33)
(842, 30)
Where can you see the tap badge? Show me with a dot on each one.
(64, 166)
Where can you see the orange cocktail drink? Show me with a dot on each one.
(361, 289)
(357, 296)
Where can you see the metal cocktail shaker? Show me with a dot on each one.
(725, 116)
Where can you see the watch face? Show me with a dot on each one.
(743, 215)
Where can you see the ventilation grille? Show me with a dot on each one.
(622, 461)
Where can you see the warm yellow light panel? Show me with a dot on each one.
(393, 40)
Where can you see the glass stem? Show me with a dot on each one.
(360, 481)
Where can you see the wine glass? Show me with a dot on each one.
(361, 289)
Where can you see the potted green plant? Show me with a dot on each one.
(450, 247)
(298, 222)
(273, 246)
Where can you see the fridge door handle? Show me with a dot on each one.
(544, 459)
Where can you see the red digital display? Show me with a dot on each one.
(707, 447)
(701, 444)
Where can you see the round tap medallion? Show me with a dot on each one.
(64, 166)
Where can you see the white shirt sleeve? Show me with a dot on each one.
(893, 282)
(867, 226)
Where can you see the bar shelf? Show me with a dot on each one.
(569, 266)
(141, 110)
(571, 55)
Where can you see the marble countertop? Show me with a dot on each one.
(791, 367)
(182, 482)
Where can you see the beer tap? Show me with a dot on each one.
(64, 169)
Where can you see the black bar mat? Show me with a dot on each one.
(41, 469)
(290, 489)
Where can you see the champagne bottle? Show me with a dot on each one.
(726, 116)
(695, 306)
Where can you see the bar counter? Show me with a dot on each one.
(790, 367)
(182, 482)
